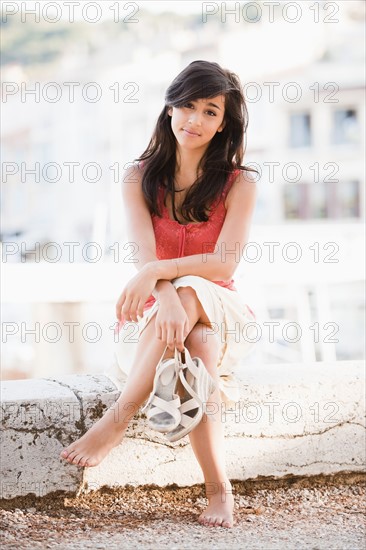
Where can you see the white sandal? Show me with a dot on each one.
(198, 385)
(163, 404)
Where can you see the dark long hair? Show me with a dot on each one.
(199, 80)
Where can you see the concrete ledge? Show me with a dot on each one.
(291, 420)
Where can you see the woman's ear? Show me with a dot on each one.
(170, 111)
(221, 127)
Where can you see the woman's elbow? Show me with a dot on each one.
(228, 271)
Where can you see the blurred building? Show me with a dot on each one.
(307, 140)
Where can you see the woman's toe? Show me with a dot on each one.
(83, 461)
(66, 452)
(226, 523)
(209, 521)
(77, 459)
(71, 456)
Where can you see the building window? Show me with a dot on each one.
(347, 200)
(318, 203)
(336, 200)
(300, 130)
(345, 126)
(295, 200)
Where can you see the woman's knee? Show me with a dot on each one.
(188, 298)
(187, 293)
(201, 336)
(191, 303)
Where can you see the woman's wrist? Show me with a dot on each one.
(164, 291)
(164, 269)
(151, 268)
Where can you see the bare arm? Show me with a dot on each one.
(171, 322)
(140, 229)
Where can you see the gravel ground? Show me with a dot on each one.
(321, 512)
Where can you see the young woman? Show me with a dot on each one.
(189, 203)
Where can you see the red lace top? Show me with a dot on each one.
(174, 240)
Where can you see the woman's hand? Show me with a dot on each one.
(171, 324)
(133, 298)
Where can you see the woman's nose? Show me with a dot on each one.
(195, 118)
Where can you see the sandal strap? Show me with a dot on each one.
(189, 388)
(202, 377)
(191, 404)
(159, 406)
(160, 367)
(193, 368)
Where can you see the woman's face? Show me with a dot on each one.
(195, 123)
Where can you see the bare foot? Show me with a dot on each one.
(219, 512)
(90, 449)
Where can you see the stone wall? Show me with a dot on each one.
(292, 419)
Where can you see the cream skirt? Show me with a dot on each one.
(232, 322)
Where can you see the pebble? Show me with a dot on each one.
(328, 517)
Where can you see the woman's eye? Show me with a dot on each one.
(190, 106)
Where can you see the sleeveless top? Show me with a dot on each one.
(175, 240)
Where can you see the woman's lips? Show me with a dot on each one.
(190, 133)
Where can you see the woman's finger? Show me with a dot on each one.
(133, 309)
(126, 309)
(170, 337)
(163, 334)
(157, 328)
(180, 339)
(140, 308)
(119, 306)
(186, 328)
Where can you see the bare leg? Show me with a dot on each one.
(208, 440)
(108, 432)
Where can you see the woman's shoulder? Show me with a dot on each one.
(132, 189)
(133, 172)
(240, 182)
(241, 174)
